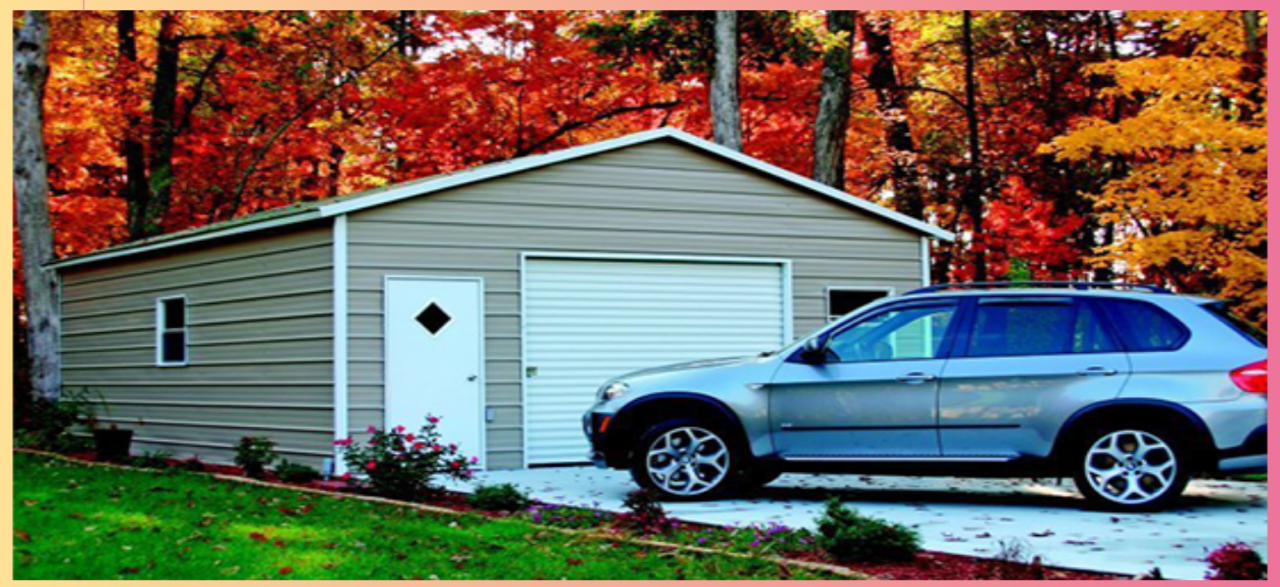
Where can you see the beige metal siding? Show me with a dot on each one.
(260, 324)
(656, 198)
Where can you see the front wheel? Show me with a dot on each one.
(684, 460)
(1131, 469)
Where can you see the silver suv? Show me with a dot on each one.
(1128, 389)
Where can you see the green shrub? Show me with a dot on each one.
(403, 465)
(47, 424)
(254, 454)
(193, 464)
(503, 497)
(152, 460)
(645, 513)
(849, 537)
(561, 516)
(291, 472)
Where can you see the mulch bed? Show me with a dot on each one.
(928, 565)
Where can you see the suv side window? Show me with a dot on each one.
(1011, 327)
(1145, 327)
(899, 333)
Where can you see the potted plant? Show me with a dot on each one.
(110, 443)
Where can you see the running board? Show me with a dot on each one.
(898, 459)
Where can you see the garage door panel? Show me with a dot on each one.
(587, 321)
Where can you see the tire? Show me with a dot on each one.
(757, 476)
(700, 459)
(1131, 468)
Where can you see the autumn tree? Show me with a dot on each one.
(832, 122)
(31, 187)
(1190, 206)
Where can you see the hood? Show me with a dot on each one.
(690, 366)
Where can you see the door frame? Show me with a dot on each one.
(481, 366)
(788, 305)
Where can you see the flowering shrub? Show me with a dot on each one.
(1235, 561)
(645, 513)
(399, 464)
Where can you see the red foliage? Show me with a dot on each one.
(1236, 561)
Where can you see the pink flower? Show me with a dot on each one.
(342, 442)
(371, 466)
(435, 447)
(453, 447)
(475, 460)
(433, 419)
(419, 445)
(399, 428)
(456, 465)
(345, 477)
(372, 429)
(409, 437)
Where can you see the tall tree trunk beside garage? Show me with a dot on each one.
(832, 122)
(726, 118)
(164, 125)
(891, 105)
(136, 191)
(31, 187)
(1254, 64)
(973, 190)
(1117, 166)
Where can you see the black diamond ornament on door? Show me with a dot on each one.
(433, 318)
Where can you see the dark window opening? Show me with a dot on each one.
(1144, 327)
(433, 318)
(172, 335)
(841, 302)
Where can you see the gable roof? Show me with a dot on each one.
(315, 210)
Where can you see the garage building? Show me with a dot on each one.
(498, 298)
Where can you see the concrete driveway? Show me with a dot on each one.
(965, 516)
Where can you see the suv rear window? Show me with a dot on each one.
(1144, 327)
(1251, 333)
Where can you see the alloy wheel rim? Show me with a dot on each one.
(688, 461)
(1130, 467)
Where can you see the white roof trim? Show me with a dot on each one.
(533, 162)
(181, 240)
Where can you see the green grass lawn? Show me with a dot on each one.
(73, 521)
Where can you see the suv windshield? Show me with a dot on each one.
(1223, 311)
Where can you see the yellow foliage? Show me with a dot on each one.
(1191, 204)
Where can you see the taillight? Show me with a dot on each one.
(1252, 377)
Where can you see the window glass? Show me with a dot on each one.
(1013, 329)
(911, 332)
(840, 302)
(1091, 334)
(1144, 327)
(172, 335)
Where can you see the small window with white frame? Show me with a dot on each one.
(171, 331)
(841, 299)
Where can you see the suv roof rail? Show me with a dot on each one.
(1081, 285)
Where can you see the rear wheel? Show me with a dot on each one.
(1131, 468)
(685, 460)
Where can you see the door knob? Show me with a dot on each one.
(1097, 371)
(471, 377)
(917, 378)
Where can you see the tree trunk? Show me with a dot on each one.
(725, 115)
(974, 185)
(31, 187)
(832, 122)
(891, 105)
(164, 125)
(136, 192)
(1254, 65)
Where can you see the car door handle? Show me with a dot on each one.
(917, 378)
(1097, 371)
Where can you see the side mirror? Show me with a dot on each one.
(814, 352)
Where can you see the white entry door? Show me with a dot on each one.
(434, 355)
(587, 320)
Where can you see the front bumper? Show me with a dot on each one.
(594, 425)
(1250, 457)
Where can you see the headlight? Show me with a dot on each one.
(613, 390)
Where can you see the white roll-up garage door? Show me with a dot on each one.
(587, 320)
